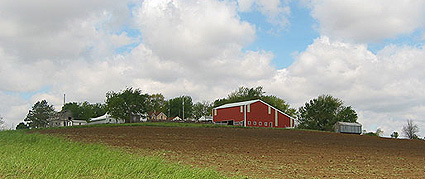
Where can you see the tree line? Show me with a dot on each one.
(320, 113)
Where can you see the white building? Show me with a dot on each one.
(105, 119)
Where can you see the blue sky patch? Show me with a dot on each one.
(294, 38)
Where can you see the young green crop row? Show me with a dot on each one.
(24, 155)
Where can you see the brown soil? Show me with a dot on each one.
(267, 153)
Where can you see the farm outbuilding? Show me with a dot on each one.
(105, 119)
(348, 127)
(253, 113)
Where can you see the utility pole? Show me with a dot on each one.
(183, 107)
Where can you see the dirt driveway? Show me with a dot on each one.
(266, 153)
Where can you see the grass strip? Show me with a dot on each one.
(24, 155)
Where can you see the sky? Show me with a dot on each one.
(370, 54)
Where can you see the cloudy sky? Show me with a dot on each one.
(371, 54)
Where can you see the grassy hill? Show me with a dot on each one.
(25, 155)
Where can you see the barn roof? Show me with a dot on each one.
(243, 103)
(348, 123)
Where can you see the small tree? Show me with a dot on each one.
(22, 126)
(1, 123)
(39, 113)
(394, 135)
(379, 132)
(410, 130)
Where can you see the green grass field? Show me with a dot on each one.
(24, 155)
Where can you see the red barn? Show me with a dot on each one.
(254, 113)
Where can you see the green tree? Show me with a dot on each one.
(122, 105)
(394, 135)
(85, 110)
(22, 126)
(410, 130)
(279, 104)
(245, 94)
(176, 107)
(156, 102)
(323, 112)
(379, 132)
(39, 113)
(201, 109)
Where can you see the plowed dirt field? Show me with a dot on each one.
(266, 153)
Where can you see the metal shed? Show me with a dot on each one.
(348, 127)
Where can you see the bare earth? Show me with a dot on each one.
(266, 153)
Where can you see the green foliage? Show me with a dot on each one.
(242, 94)
(323, 112)
(39, 113)
(201, 109)
(85, 110)
(379, 132)
(246, 94)
(22, 126)
(26, 155)
(279, 104)
(123, 104)
(156, 102)
(371, 134)
(394, 135)
(176, 107)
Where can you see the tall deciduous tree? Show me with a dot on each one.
(279, 104)
(156, 102)
(39, 113)
(201, 109)
(323, 112)
(85, 110)
(122, 105)
(410, 130)
(176, 107)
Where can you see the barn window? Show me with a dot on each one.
(249, 122)
(270, 110)
(249, 108)
(241, 109)
(265, 123)
(215, 112)
(255, 122)
(260, 123)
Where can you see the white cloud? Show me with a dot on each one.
(276, 11)
(204, 29)
(383, 87)
(368, 21)
(58, 30)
